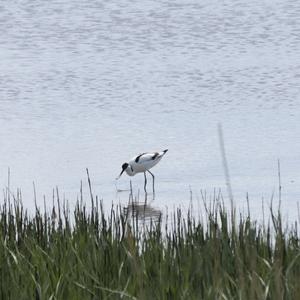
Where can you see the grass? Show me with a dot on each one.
(90, 254)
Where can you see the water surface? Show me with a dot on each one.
(91, 84)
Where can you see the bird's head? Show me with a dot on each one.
(124, 167)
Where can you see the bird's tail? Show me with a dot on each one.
(165, 151)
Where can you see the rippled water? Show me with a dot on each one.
(92, 83)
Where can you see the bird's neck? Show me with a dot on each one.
(130, 171)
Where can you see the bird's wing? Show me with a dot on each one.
(145, 157)
(137, 158)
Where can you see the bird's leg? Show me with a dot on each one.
(153, 181)
(131, 193)
(145, 182)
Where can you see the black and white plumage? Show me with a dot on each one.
(142, 163)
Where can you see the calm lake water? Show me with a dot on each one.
(89, 84)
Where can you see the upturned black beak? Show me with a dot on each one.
(124, 167)
(120, 174)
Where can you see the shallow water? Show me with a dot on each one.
(91, 84)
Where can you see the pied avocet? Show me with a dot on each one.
(142, 163)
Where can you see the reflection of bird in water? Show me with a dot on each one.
(141, 164)
(142, 211)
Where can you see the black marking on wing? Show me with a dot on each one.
(138, 157)
(155, 155)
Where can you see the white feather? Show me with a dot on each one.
(143, 162)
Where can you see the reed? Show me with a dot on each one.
(87, 253)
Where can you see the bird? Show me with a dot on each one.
(141, 164)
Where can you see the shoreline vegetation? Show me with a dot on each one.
(132, 253)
